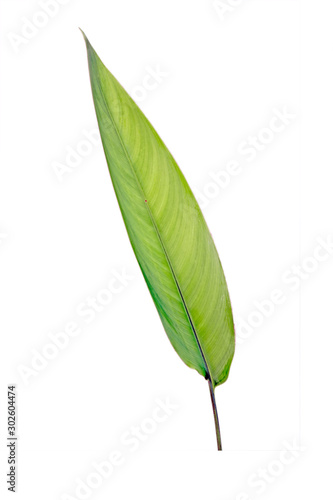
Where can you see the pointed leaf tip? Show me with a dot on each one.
(83, 33)
(88, 44)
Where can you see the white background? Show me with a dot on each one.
(62, 237)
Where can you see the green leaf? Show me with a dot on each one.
(167, 230)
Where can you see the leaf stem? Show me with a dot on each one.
(216, 417)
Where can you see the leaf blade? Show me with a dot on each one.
(167, 230)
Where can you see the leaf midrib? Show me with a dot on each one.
(156, 230)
